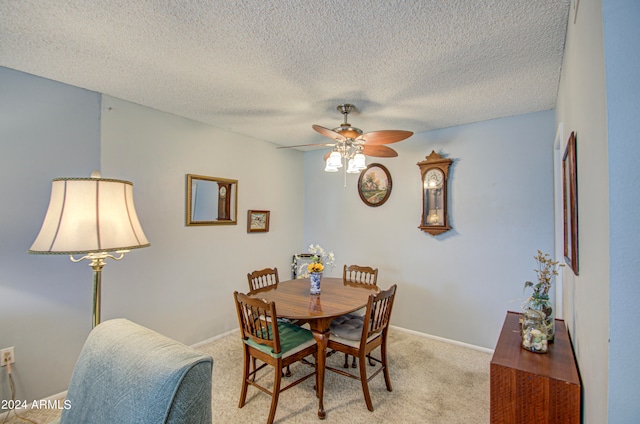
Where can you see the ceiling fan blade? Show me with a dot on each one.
(384, 136)
(379, 151)
(307, 145)
(329, 133)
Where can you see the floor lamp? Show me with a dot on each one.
(91, 217)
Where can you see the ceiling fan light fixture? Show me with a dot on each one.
(334, 160)
(351, 169)
(359, 161)
(330, 168)
(351, 145)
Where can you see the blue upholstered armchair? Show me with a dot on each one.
(127, 373)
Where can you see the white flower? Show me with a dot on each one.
(319, 255)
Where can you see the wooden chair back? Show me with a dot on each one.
(360, 274)
(257, 320)
(263, 278)
(378, 313)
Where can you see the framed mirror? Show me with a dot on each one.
(211, 201)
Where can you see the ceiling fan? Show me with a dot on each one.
(350, 144)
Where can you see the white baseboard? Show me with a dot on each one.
(416, 333)
(442, 339)
(214, 338)
(57, 398)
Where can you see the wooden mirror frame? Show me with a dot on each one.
(223, 201)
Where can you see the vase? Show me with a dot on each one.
(534, 331)
(315, 278)
(541, 303)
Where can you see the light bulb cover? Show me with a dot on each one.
(351, 169)
(330, 168)
(335, 160)
(359, 161)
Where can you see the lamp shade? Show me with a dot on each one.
(88, 215)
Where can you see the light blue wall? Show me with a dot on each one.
(458, 285)
(182, 286)
(621, 35)
(47, 130)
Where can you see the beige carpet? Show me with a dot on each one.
(433, 382)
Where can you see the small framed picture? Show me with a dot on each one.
(258, 221)
(374, 185)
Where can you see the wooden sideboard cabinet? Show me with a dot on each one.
(528, 387)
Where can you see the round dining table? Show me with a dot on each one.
(294, 301)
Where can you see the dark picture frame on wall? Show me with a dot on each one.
(257, 221)
(374, 185)
(570, 203)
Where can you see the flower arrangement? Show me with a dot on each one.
(315, 267)
(546, 272)
(320, 259)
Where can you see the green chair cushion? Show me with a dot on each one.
(291, 336)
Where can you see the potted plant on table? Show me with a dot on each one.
(320, 259)
(539, 300)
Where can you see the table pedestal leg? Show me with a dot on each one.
(322, 339)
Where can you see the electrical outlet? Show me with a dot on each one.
(7, 356)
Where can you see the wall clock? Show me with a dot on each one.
(434, 172)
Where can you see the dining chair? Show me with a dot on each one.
(263, 278)
(373, 334)
(299, 261)
(277, 344)
(359, 275)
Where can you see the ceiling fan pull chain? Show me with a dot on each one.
(344, 171)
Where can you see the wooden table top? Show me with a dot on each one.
(294, 300)
(558, 363)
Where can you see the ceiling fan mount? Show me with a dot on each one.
(345, 128)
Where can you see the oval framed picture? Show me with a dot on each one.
(374, 185)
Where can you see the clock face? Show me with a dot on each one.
(433, 178)
(223, 191)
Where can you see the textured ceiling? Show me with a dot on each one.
(272, 68)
